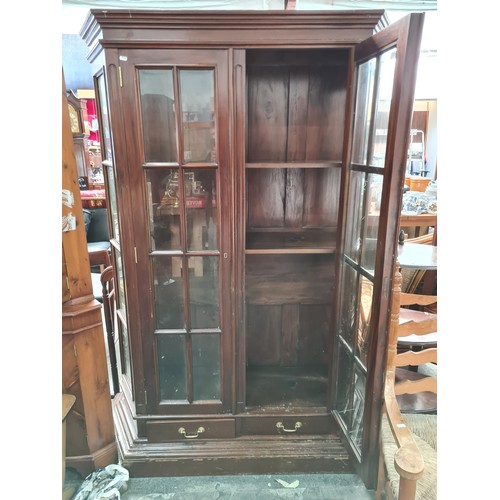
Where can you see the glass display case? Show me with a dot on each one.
(258, 176)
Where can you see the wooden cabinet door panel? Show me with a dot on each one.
(178, 202)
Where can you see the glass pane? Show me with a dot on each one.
(358, 408)
(162, 190)
(125, 351)
(354, 211)
(169, 295)
(364, 318)
(384, 97)
(105, 131)
(111, 195)
(344, 377)
(197, 106)
(351, 396)
(348, 302)
(172, 367)
(364, 96)
(158, 115)
(121, 304)
(373, 196)
(204, 292)
(206, 366)
(201, 209)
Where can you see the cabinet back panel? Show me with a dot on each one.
(263, 334)
(326, 113)
(321, 197)
(315, 334)
(292, 197)
(296, 107)
(289, 279)
(285, 267)
(289, 335)
(268, 114)
(266, 197)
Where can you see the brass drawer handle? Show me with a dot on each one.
(182, 431)
(280, 426)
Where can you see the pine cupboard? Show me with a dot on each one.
(254, 163)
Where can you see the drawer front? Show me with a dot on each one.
(161, 431)
(286, 425)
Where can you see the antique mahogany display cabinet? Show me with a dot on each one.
(254, 167)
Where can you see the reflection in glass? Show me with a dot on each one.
(206, 366)
(204, 291)
(125, 352)
(351, 403)
(168, 285)
(354, 215)
(201, 211)
(172, 367)
(121, 304)
(371, 217)
(158, 115)
(105, 130)
(162, 188)
(358, 408)
(348, 303)
(383, 104)
(364, 96)
(364, 318)
(111, 196)
(343, 389)
(197, 108)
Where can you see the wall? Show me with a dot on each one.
(77, 70)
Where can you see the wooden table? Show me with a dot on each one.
(418, 221)
(421, 220)
(418, 256)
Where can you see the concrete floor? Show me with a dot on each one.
(243, 487)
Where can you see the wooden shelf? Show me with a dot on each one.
(194, 125)
(290, 242)
(284, 164)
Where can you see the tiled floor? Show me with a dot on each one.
(240, 487)
(245, 487)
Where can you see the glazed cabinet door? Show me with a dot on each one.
(175, 112)
(384, 72)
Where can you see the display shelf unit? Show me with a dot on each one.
(255, 321)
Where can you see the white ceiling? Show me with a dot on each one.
(74, 12)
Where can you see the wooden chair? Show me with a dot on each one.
(412, 278)
(408, 443)
(109, 307)
(99, 257)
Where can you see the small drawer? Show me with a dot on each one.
(286, 425)
(161, 431)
